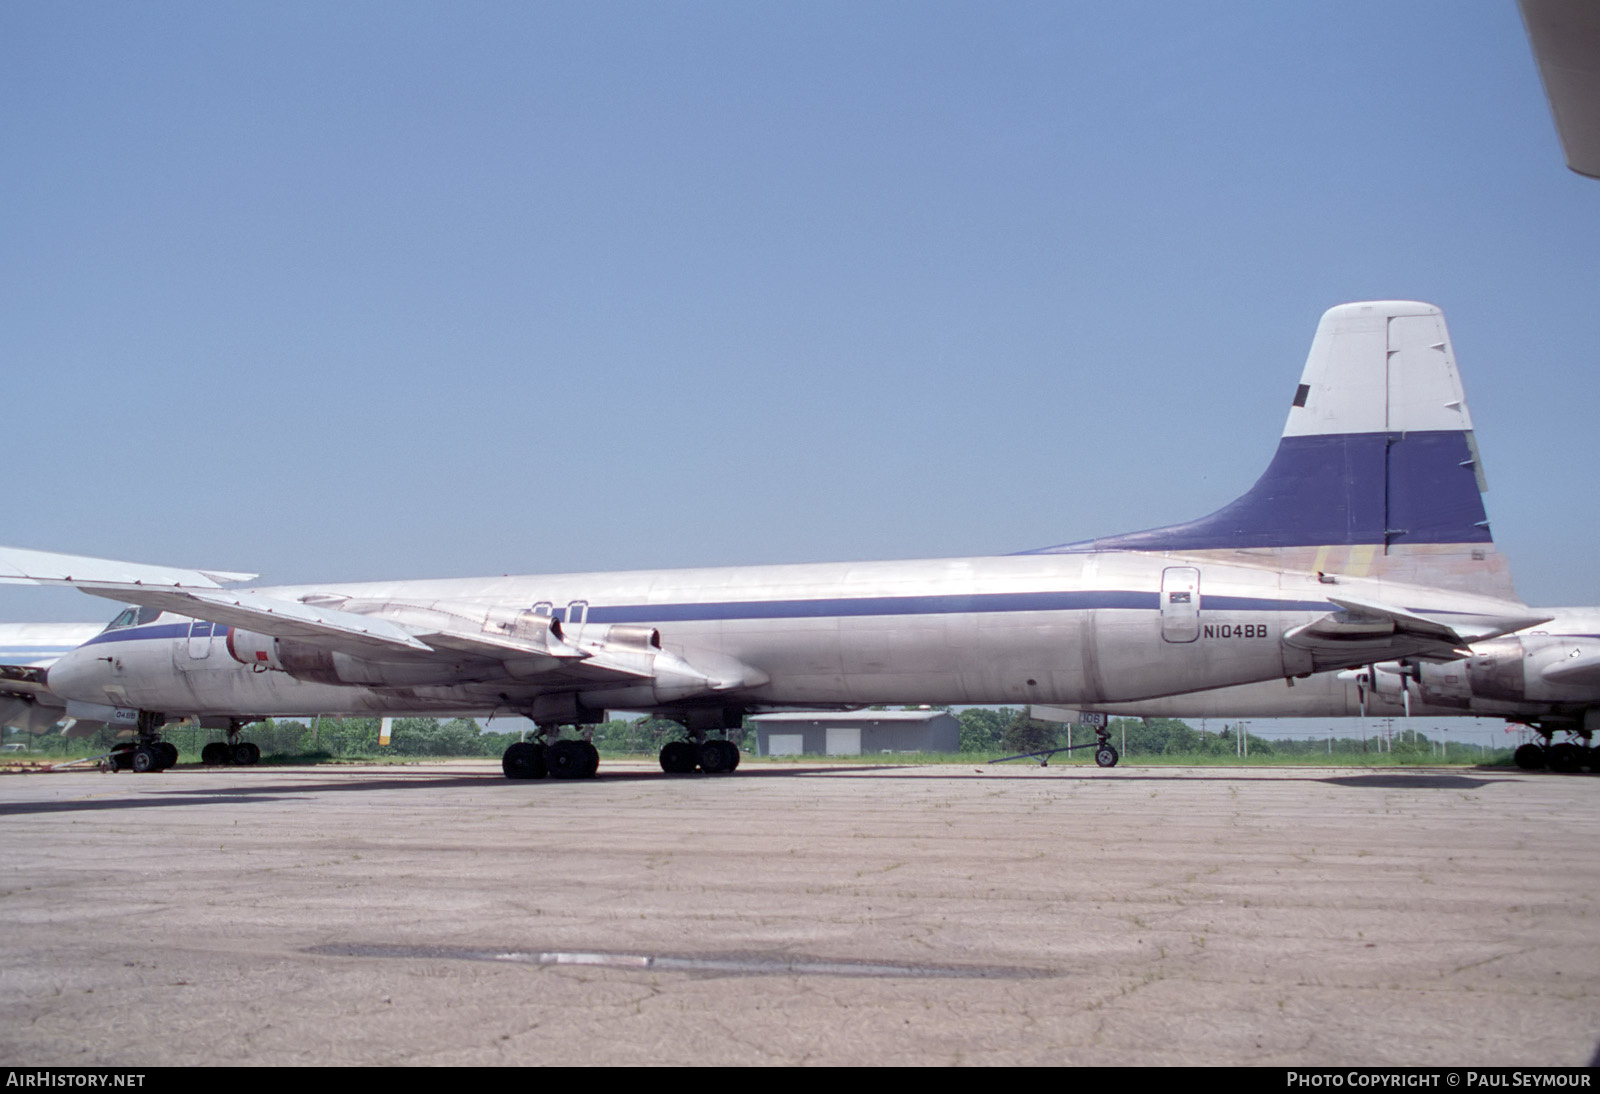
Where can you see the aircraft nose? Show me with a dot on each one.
(79, 675)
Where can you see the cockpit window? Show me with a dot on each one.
(128, 618)
(133, 617)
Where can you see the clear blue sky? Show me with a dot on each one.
(348, 290)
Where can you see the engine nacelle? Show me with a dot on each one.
(626, 636)
(259, 651)
(537, 629)
(1498, 669)
(1525, 669)
(1563, 668)
(265, 653)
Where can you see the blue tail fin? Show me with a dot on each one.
(1377, 473)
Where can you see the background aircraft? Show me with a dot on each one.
(1363, 541)
(26, 651)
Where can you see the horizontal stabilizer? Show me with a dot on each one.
(24, 567)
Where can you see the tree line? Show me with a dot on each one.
(989, 732)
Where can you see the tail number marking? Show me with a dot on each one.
(1234, 630)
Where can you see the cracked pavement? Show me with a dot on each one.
(831, 914)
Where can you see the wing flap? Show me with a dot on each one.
(1369, 630)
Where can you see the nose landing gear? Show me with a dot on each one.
(147, 752)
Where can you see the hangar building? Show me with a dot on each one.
(856, 733)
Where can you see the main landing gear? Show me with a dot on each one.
(575, 759)
(567, 759)
(232, 751)
(711, 756)
(1566, 757)
(702, 752)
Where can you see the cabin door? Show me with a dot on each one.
(1180, 603)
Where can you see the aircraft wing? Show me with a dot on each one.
(268, 615)
(382, 631)
(24, 567)
(1565, 35)
(1364, 627)
(199, 593)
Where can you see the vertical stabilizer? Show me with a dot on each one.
(1377, 473)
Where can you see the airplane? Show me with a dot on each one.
(1365, 540)
(26, 651)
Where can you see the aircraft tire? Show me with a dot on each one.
(169, 753)
(145, 759)
(1529, 757)
(1105, 756)
(592, 761)
(714, 758)
(1565, 758)
(524, 760)
(568, 760)
(246, 753)
(215, 754)
(678, 758)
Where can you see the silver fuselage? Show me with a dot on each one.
(1059, 628)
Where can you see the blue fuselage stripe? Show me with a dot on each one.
(152, 630)
(956, 604)
(840, 607)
